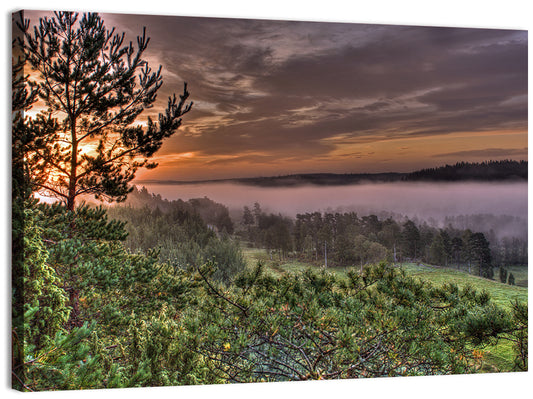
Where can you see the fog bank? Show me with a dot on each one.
(416, 200)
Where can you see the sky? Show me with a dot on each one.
(280, 97)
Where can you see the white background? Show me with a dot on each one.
(503, 14)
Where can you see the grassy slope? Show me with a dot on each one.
(497, 358)
(501, 294)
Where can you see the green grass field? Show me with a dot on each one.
(502, 294)
(497, 357)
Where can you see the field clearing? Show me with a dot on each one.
(501, 294)
(497, 357)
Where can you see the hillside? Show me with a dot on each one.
(462, 171)
(484, 171)
(497, 357)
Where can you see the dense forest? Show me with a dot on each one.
(345, 239)
(483, 171)
(506, 170)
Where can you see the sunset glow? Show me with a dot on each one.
(278, 97)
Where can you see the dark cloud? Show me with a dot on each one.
(487, 153)
(268, 90)
(280, 84)
(397, 63)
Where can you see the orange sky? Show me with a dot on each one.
(399, 155)
(278, 97)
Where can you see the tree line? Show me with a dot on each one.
(347, 239)
(483, 171)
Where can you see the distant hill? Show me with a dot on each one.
(461, 171)
(484, 171)
(320, 179)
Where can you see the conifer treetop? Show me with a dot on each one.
(94, 86)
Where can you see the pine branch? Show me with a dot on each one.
(219, 295)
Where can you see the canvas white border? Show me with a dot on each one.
(509, 14)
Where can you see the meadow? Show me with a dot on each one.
(496, 358)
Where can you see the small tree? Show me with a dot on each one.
(257, 212)
(511, 279)
(368, 251)
(503, 275)
(94, 88)
(440, 250)
(481, 253)
(410, 239)
(247, 217)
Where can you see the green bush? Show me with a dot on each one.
(135, 321)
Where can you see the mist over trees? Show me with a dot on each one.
(184, 234)
(347, 239)
(214, 214)
(497, 227)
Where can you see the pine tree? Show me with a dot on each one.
(410, 239)
(93, 87)
(503, 275)
(481, 254)
(22, 100)
(247, 217)
(441, 248)
(257, 212)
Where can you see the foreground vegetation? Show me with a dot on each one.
(97, 315)
(499, 356)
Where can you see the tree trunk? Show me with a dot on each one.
(73, 177)
(325, 254)
(74, 302)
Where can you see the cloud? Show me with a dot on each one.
(277, 84)
(248, 158)
(486, 153)
(299, 90)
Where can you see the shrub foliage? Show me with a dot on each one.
(99, 316)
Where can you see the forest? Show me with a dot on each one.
(506, 170)
(135, 290)
(154, 295)
(482, 171)
(343, 239)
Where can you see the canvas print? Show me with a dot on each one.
(212, 201)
